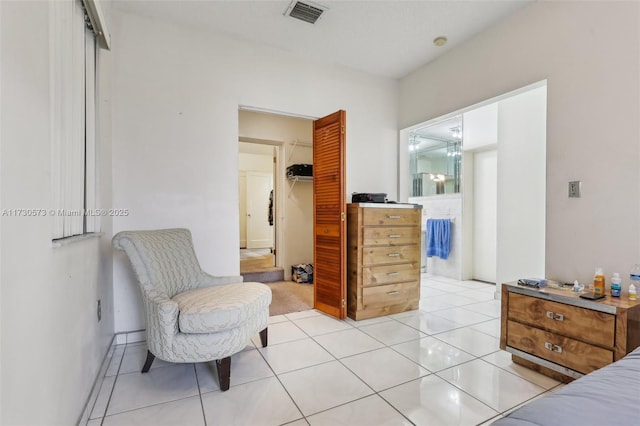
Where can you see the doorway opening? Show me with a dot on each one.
(256, 211)
(283, 208)
(484, 168)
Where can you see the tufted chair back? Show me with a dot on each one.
(164, 260)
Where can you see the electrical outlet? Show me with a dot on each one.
(99, 310)
(574, 189)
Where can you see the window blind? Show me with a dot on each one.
(72, 109)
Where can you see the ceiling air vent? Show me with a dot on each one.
(306, 12)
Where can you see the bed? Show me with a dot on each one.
(608, 396)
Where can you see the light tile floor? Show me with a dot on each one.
(439, 365)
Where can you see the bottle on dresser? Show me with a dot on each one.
(598, 282)
(635, 281)
(616, 285)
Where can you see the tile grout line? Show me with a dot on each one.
(100, 379)
(475, 357)
(356, 375)
(115, 380)
(375, 392)
(150, 405)
(204, 416)
(326, 362)
(282, 384)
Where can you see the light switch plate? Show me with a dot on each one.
(574, 189)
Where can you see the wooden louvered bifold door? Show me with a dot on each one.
(329, 206)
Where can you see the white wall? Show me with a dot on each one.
(52, 344)
(175, 132)
(256, 162)
(479, 192)
(484, 231)
(589, 53)
(520, 247)
(512, 130)
(480, 127)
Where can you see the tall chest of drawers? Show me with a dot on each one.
(383, 259)
(559, 334)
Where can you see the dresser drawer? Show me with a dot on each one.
(390, 294)
(571, 353)
(390, 236)
(584, 324)
(391, 217)
(377, 275)
(391, 254)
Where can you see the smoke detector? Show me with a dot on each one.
(440, 41)
(305, 11)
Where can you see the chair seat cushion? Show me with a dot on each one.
(221, 307)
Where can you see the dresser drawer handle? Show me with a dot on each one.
(393, 293)
(393, 216)
(394, 255)
(393, 274)
(395, 235)
(554, 316)
(552, 347)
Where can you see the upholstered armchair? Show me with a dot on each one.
(192, 316)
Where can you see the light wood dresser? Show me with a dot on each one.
(561, 335)
(383, 259)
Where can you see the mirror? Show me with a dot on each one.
(435, 158)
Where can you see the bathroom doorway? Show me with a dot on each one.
(498, 211)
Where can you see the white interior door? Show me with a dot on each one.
(259, 232)
(485, 204)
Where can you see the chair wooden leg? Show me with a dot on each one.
(224, 372)
(263, 337)
(148, 362)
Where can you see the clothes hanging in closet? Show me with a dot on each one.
(270, 212)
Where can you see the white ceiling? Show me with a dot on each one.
(380, 37)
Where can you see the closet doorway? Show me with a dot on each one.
(308, 212)
(269, 143)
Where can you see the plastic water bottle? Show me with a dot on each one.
(616, 285)
(635, 281)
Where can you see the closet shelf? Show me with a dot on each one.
(300, 178)
(296, 178)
